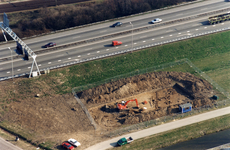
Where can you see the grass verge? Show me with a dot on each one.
(209, 47)
(181, 134)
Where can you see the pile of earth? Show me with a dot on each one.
(167, 90)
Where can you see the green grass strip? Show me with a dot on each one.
(178, 135)
(94, 71)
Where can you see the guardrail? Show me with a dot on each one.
(117, 53)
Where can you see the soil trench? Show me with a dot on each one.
(157, 94)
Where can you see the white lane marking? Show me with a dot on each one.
(18, 69)
(76, 59)
(144, 41)
(49, 62)
(134, 43)
(29, 67)
(98, 51)
(107, 49)
(88, 54)
(59, 60)
(188, 31)
(69, 58)
(143, 36)
(88, 49)
(8, 72)
(116, 47)
(170, 35)
(205, 27)
(153, 39)
(214, 25)
(76, 37)
(179, 33)
(197, 29)
(126, 45)
(222, 23)
(162, 37)
(79, 56)
(103, 31)
(40, 65)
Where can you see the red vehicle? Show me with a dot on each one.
(67, 145)
(115, 43)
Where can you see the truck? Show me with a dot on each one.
(219, 18)
(124, 141)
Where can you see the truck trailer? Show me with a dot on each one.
(219, 18)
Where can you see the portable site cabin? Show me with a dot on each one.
(185, 107)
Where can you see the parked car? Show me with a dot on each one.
(117, 24)
(157, 20)
(51, 44)
(74, 142)
(67, 146)
(124, 141)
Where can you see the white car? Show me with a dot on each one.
(156, 20)
(74, 142)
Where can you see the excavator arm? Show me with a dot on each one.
(121, 106)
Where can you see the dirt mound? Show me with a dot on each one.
(163, 92)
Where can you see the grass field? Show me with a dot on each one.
(209, 53)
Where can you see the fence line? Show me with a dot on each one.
(218, 104)
(86, 111)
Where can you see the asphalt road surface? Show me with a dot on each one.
(155, 36)
(162, 128)
(4, 145)
(100, 48)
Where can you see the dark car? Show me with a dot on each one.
(117, 24)
(51, 44)
(67, 146)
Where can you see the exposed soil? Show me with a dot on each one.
(56, 118)
(162, 91)
(33, 4)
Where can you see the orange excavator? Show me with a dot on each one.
(121, 106)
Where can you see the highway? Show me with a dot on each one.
(103, 47)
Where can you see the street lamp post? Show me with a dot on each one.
(132, 34)
(12, 64)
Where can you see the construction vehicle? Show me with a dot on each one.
(219, 18)
(124, 141)
(122, 106)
